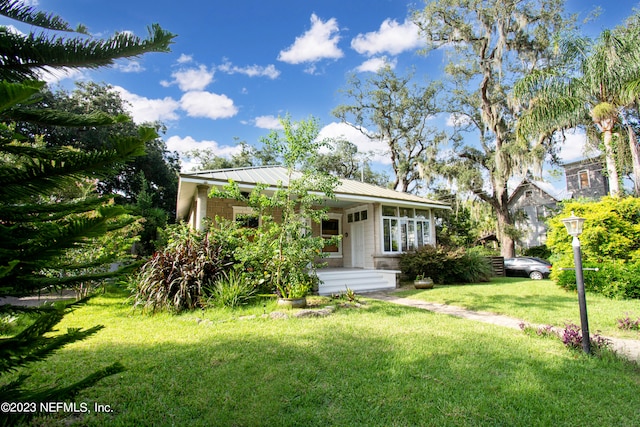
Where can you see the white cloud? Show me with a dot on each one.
(191, 79)
(269, 71)
(365, 144)
(129, 67)
(455, 120)
(185, 59)
(207, 104)
(55, 75)
(182, 145)
(148, 110)
(391, 38)
(13, 30)
(268, 122)
(375, 64)
(573, 147)
(319, 42)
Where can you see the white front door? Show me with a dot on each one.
(357, 244)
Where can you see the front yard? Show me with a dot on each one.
(536, 302)
(381, 364)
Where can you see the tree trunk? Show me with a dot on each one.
(612, 170)
(507, 244)
(635, 159)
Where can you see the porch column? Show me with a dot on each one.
(201, 206)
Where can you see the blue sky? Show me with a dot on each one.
(237, 65)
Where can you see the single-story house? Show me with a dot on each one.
(377, 224)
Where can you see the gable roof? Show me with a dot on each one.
(347, 191)
(546, 188)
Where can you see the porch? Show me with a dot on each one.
(337, 280)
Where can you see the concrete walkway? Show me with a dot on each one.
(628, 348)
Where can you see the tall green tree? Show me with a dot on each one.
(488, 45)
(343, 160)
(391, 109)
(596, 95)
(283, 245)
(157, 168)
(39, 223)
(209, 159)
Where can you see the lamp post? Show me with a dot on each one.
(574, 228)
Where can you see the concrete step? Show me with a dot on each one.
(336, 281)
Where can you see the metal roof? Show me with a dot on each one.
(347, 190)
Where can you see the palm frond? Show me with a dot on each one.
(38, 176)
(26, 56)
(12, 94)
(39, 212)
(62, 118)
(20, 11)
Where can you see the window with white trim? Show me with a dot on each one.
(246, 216)
(332, 227)
(583, 179)
(404, 229)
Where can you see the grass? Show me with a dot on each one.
(381, 365)
(537, 302)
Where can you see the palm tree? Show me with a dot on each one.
(597, 95)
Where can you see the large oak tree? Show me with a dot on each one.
(489, 44)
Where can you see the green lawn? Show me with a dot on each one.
(535, 301)
(383, 365)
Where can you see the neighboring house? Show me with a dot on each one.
(585, 179)
(531, 204)
(377, 224)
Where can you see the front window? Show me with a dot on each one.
(246, 217)
(405, 229)
(330, 228)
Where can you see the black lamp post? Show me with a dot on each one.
(574, 228)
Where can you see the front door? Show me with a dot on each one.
(357, 244)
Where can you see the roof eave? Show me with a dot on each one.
(348, 197)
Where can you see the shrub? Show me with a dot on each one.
(173, 279)
(611, 230)
(232, 289)
(610, 241)
(613, 279)
(628, 324)
(538, 252)
(572, 337)
(446, 265)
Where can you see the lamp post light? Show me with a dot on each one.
(574, 228)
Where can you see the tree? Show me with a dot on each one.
(597, 95)
(208, 159)
(157, 168)
(283, 246)
(390, 109)
(37, 224)
(345, 161)
(489, 45)
(630, 34)
(340, 158)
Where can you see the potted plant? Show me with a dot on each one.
(422, 282)
(293, 294)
